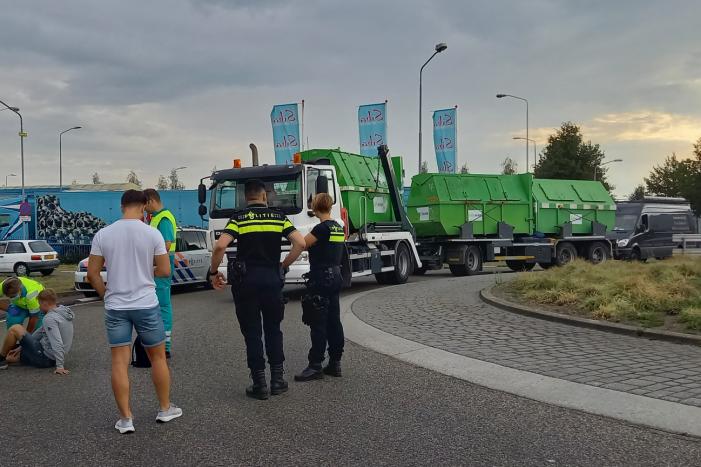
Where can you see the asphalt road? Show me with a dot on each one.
(383, 412)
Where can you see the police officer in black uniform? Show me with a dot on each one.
(321, 310)
(257, 278)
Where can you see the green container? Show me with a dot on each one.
(579, 202)
(362, 183)
(439, 204)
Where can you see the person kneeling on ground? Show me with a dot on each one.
(47, 346)
(22, 292)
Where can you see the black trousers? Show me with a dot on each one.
(328, 329)
(258, 295)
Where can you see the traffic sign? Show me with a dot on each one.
(23, 134)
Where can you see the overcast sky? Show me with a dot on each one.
(169, 83)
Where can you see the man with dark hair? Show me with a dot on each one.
(257, 278)
(164, 221)
(131, 249)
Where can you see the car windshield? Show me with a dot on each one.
(626, 218)
(40, 247)
(284, 193)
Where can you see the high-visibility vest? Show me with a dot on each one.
(166, 214)
(28, 295)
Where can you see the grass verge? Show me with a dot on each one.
(61, 280)
(660, 294)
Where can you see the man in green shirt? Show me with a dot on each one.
(163, 220)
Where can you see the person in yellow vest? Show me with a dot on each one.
(23, 293)
(163, 220)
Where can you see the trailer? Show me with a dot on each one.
(380, 240)
(465, 220)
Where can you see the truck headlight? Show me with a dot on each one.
(623, 243)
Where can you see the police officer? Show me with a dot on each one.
(163, 220)
(257, 278)
(320, 305)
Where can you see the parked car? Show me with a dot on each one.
(646, 228)
(26, 256)
(192, 258)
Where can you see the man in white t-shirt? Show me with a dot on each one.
(130, 249)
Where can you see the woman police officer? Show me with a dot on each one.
(321, 308)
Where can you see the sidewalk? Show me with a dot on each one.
(448, 315)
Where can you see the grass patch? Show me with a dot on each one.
(661, 293)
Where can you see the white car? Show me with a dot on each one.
(26, 256)
(192, 258)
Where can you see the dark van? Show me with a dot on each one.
(646, 228)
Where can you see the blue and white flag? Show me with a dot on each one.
(445, 139)
(286, 140)
(372, 126)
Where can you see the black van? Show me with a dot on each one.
(645, 229)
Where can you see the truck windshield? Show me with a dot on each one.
(284, 193)
(627, 216)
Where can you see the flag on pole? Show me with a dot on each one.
(372, 127)
(286, 139)
(445, 139)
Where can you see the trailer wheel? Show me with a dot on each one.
(598, 253)
(519, 266)
(566, 253)
(472, 264)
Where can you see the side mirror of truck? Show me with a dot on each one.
(322, 184)
(202, 210)
(201, 193)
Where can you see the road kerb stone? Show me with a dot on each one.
(640, 410)
(678, 338)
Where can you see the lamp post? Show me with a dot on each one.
(535, 150)
(499, 96)
(596, 169)
(60, 156)
(9, 175)
(22, 135)
(438, 49)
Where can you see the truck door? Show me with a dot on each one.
(312, 174)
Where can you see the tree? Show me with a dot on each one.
(509, 166)
(96, 179)
(162, 183)
(175, 183)
(567, 156)
(133, 178)
(464, 169)
(424, 167)
(637, 194)
(678, 178)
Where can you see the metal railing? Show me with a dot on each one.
(71, 253)
(689, 244)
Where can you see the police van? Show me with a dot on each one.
(192, 258)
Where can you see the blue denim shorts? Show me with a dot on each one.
(32, 353)
(148, 325)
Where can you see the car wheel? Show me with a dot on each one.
(46, 272)
(21, 269)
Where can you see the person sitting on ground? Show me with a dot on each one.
(22, 293)
(47, 346)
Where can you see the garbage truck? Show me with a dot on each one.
(380, 240)
(464, 220)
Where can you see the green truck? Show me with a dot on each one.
(464, 220)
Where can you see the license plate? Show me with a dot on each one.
(49, 256)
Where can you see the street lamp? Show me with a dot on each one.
(22, 135)
(499, 96)
(596, 169)
(535, 150)
(438, 49)
(60, 156)
(9, 175)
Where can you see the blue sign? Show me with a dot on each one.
(286, 141)
(445, 139)
(372, 125)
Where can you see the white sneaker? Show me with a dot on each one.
(173, 412)
(124, 425)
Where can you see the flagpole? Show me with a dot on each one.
(455, 169)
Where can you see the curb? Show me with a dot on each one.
(678, 338)
(628, 408)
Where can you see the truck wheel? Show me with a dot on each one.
(519, 265)
(545, 265)
(403, 265)
(21, 269)
(598, 253)
(566, 253)
(472, 265)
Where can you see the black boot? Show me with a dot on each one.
(278, 385)
(313, 371)
(333, 368)
(259, 388)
